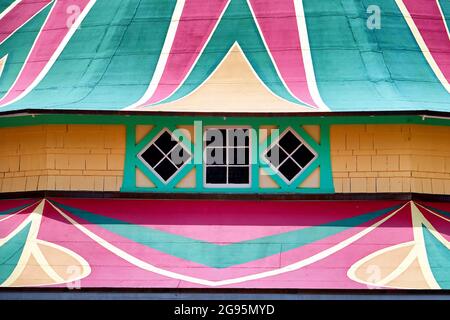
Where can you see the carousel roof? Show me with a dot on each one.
(225, 55)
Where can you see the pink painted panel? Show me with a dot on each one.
(19, 15)
(133, 243)
(432, 27)
(196, 24)
(278, 23)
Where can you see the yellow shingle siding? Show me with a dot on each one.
(62, 157)
(365, 158)
(391, 158)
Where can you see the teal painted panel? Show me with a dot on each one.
(382, 69)
(109, 61)
(17, 48)
(438, 257)
(11, 251)
(223, 256)
(5, 4)
(13, 210)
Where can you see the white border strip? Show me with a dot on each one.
(418, 220)
(261, 34)
(35, 219)
(307, 57)
(14, 214)
(9, 9)
(19, 27)
(165, 53)
(2, 64)
(443, 18)
(258, 79)
(402, 267)
(142, 101)
(423, 46)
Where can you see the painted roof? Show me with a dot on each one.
(225, 55)
(125, 243)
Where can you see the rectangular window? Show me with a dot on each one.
(227, 157)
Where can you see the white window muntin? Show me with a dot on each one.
(276, 142)
(249, 166)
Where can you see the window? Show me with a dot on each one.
(165, 155)
(289, 155)
(227, 157)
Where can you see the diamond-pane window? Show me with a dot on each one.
(165, 155)
(289, 155)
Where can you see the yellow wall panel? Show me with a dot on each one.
(62, 157)
(365, 158)
(391, 158)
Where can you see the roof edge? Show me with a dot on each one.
(403, 196)
(423, 113)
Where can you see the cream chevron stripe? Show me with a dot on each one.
(434, 213)
(45, 265)
(181, 103)
(162, 60)
(412, 255)
(403, 266)
(289, 268)
(2, 64)
(32, 249)
(418, 221)
(73, 28)
(432, 228)
(35, 220)
(418, 251)
(235, 47)
(50, 271)
(307, 58)
(273, 60)
(141, 102)
(37, 254)
(423, 46)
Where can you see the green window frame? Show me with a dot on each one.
(257, 148)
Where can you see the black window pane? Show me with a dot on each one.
(216, 175)
(179, 156)
(289, 169)
(165, 142)
(238, 137)
(289, 142)
(238, 156)
(276, 156)
(216, 156)
(216, 138)
(303, 156)
(166, 169)
(152, 156)
(239, 175)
